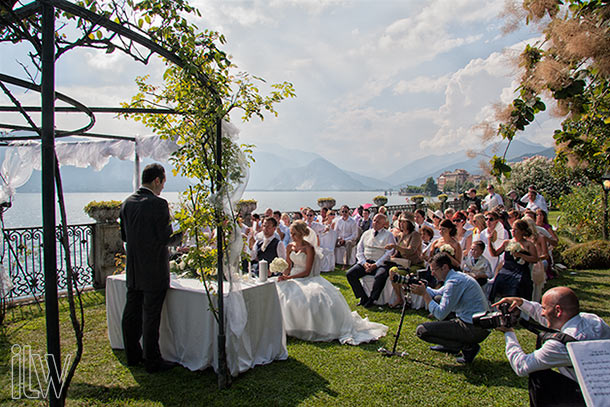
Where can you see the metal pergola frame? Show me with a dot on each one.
(47, 134)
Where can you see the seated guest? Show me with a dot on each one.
(448, 232)
(313, 224)
(427, 237)
(514, 278)
(408, 247)
(371, 255)
(357, 214)
(534, 200)
(448, 213)
(323, 214)
(476, 265)
(395, 217)
(463, 235)
(560, 310)
(384, 211)
(347, 233)
(297, 216)
(516, 204)
(330, 219)
(365, 221)
(460, 294)
(420, 220)
(471, 198)
(312, 308)
(493, 236)
(267, 245)
(257, 225)
(282, 230)
(286, 220)
(492, 199)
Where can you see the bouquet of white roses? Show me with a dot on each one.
(278, 265)
(447, 249)
(515, 247)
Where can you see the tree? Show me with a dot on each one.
(570, 66)
(430, 186)
(541, 172)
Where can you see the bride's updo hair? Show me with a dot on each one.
(299, 227)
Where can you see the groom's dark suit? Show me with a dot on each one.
(145, 226)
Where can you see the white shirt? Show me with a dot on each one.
(538, 203)
(583, 326)
(502, 235)
(281, 248)
(382, 239)
(491, 201)
(346, 229)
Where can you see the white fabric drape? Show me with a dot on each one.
(22, 157)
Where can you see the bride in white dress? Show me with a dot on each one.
(313, 308)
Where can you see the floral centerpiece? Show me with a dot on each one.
(103, 211)
(380, 200)
(246, 205)
(278, 265)
(326, 202)
(515, 247)
(446, 248)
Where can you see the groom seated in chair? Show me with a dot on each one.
(266, 245)
(371, 256)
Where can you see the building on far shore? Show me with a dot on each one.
(457, 177)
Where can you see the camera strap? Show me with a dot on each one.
(544, 333)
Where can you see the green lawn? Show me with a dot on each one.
(315, 374)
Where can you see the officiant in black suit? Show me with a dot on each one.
(145, 227)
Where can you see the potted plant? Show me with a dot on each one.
(103, 211)
(326, 202)
(380, 200)
(246, 206)
(443, 197)
(418, 199)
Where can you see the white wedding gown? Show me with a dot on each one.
(315, 310)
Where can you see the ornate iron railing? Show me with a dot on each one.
(22, 259)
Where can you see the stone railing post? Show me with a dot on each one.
(106, 244)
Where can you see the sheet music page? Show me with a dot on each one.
(591, 361)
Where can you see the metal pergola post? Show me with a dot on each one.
(48, 201)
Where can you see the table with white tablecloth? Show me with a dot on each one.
(188, 331)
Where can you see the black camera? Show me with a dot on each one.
(408, 279)
(494, 319)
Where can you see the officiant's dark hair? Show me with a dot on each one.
(151, 172)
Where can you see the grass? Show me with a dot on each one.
(315, 374)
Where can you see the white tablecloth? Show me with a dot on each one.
(188, 332)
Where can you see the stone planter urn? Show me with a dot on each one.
(380, 200)
(244, 208)
(327, 203)
(417, 199)
(104, 211)
(443, 200)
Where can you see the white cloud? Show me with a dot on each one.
(422, 84)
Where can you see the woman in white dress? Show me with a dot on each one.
(313, 308)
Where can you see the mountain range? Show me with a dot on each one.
(303, 171)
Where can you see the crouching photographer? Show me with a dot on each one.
(559, 311)
(460, 294)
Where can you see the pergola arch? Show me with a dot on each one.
(13, 26)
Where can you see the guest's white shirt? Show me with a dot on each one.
(374, 243)
(346, 229)
(485, 235)
(491, 201)
(316, 227)
(538, 203)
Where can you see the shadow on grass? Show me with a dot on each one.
(286, 382)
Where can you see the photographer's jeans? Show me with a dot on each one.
(455, 334)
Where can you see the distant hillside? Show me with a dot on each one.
(319, 174)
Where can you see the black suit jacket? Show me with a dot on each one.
(145, 226)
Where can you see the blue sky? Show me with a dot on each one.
(378, 83)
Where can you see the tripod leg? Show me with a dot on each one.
(402, 318)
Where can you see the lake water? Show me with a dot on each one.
(27, 207)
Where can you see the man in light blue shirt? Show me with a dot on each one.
(461, 295)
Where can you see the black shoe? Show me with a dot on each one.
(441, 348)
(363, 301)
(370, 303)
(160, 365)
(469, 353)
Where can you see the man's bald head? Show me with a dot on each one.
(565, 298)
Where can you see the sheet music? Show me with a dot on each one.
(591, 361)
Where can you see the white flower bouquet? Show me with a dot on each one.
(447, 249)
(515, 247)
(278, 265)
